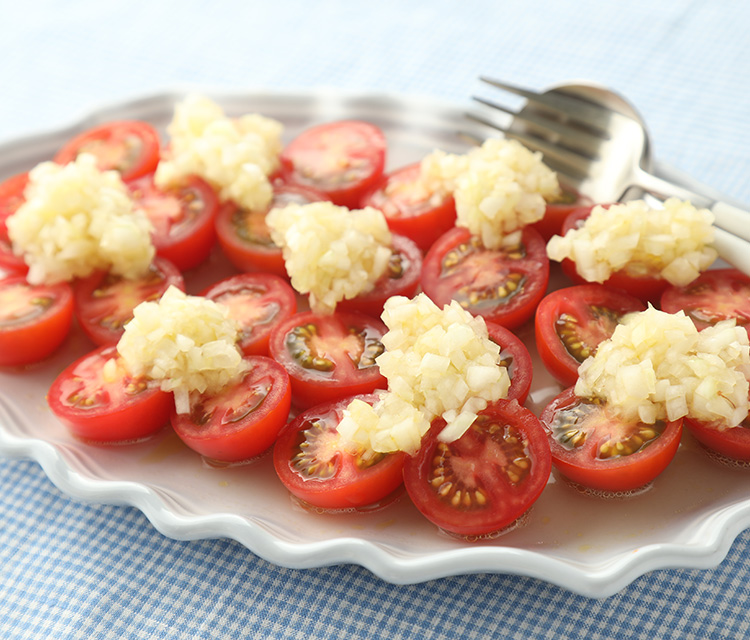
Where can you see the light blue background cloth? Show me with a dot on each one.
(74, 570)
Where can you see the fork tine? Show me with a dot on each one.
(570, 163)
(576, 109)
(554, 131)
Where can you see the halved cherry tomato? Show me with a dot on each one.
(130, 147)
(638, 280)
(329, 356)
(558, 210)
(257, 302)
(182, 216)
(104, 302)
(515, 357)
(244, 236)
(241, 421)
(401, 279)
(99, 401)
(596, 449)
(9, 260)
(317, 467)
(503, 286)
(571, 322)
(732, 442)
(410, 210)
(343, 159)
(11, 194)
(34, 319)
(716, 295)
(485, 480)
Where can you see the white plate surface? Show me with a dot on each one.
(595, 547)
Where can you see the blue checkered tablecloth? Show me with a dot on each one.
(76, 570)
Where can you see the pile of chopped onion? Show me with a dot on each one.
(188, 343)
(499, 187)
(235, 155)
(673, 241)
(77, 219)
(658, 366)
(438, 362)
(330, 252)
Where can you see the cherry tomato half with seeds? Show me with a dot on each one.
(488, 478)
(570, 323)
(559, 209)
(639, 280)
(99, 401)
(593, 447)
(320, 469)
(343, 159)
(104, 302)
(400, 279)
(34, 319)
(329, 356)
(182, 216)
(410, 210)
(243, 420)
(245, 237)
(130, 147)
(515, 357)
(257, 302)
(503, 286)
(715, 295)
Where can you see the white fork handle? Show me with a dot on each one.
(734, 250)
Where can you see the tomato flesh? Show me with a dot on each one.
(242, 421)
(594, 448)
(182, 217)
(485, 480)
(716, 295)
(559, 209)
(343, 159)
(503, 286)
(257, 302)
(410, 210)
(104, 302)
(570, 323)
(34, 320)
(329, 357)
(99, 401)
(515, 357)
(317, 467)
(12, 194)
(130, 147)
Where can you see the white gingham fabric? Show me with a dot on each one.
(73, 570)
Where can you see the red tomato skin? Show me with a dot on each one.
(148, 157)
(646, 289)
(522, 306)
(421, 221)
(250, 256)
(508, 503)
(732, 443)
(372, 302)
(310, 388)
(190, 245)
(717, 294)
(35, 340)
(270, 287)
(251, 436)
(84, 301)
(12, 194)
(556, 212)
(9, 261)
(369, 145)
(555, 357)
(521, 370)
(136, 420)
(623, 474)
(350, 487)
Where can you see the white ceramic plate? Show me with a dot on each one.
(595, 547)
